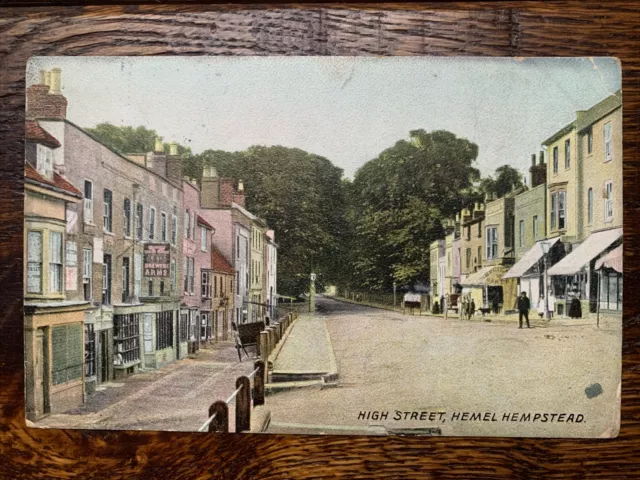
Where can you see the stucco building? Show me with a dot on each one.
(127, 233)
(598, 214)
(54, 308)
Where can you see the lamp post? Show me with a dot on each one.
(545, 253)
(312, 293)
(394, 294)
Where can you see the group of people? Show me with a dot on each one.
(467, 307)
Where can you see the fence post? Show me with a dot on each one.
(258, 383)
(220, 424)
(243, 404)
(264, 345)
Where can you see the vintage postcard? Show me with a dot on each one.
(324, 245)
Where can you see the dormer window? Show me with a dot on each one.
(44, 161)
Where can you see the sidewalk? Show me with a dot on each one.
(175, 397)
(307, 353)
(534, 319)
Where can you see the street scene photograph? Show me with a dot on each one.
(324, 245)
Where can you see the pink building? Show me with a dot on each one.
(196, 320)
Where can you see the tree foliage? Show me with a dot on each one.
(507, 178)
(401, 198)
(126, 140)
(301, 196)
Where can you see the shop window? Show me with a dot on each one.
(610, 290)
(126, 337)
(66, 353)
(164, 329)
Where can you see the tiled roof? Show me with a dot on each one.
(220, 264)
(35, 133)
(57, 181)
(204, 223)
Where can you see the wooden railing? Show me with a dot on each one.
(247, 398)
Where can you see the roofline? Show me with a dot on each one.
(94, 138)
(560, 133)
(52, 187)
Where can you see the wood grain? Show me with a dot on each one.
(492, 29)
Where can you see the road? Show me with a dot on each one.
(392, 363)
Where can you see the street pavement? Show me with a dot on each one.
(174, 398)
(307, 351)
(392, 363)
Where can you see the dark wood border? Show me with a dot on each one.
(489, 28)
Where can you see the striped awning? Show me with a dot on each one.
(485, 276)
(594, 245)
(533, 256)
(612, 260)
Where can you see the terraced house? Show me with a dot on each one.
(123, 245)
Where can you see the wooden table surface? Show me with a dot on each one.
(491, 29)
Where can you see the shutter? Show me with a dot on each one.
(59, 355)
(75, 358)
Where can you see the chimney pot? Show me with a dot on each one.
(55, 82)
(541, 157)
(158, 146)
(173, 148)
(533, 159)
(240, 186)
(43, 77)
(47, 78)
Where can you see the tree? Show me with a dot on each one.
(301, 196)
(126, 140)
(507, 179)
(400, 200)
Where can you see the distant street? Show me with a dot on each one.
(388, 362)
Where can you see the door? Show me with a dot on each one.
(41, 394)
(104, 356)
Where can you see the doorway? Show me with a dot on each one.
(104, 356)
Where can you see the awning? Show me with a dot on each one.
(593, 246)
(533, 256)
(613, 260)
(485, 276)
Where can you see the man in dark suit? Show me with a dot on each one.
(523, 308)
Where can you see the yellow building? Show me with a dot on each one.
(54, 317)
(563, 192)
(599, 217)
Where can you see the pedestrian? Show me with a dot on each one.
(463, 307)
(523, 308)
(472, 308)
(495, 305)
(575, 308)
(446, 305)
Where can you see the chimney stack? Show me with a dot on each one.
(174, 165)
(45, 100)
(541, 157)
(55, 82)
(533, 159)
(538, 173)
(210, 188)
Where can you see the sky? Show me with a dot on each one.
(347, 109)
